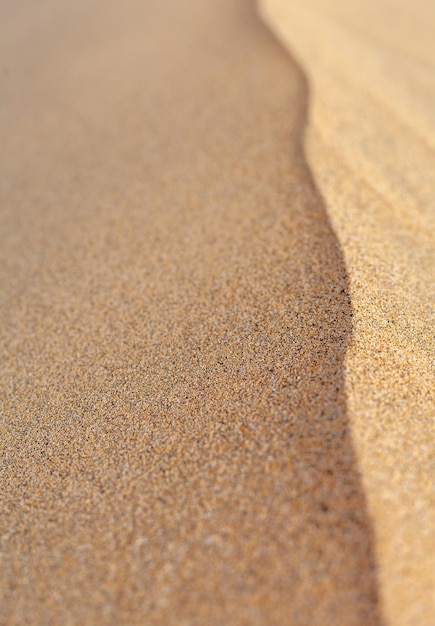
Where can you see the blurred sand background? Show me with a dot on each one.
(215, 355)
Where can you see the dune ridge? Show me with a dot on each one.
(370, 144)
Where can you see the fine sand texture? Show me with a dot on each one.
(175, 316)
(370, 145)
(210, 414)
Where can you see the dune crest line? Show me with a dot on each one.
(370, 144)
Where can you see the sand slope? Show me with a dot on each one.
(214, 409)
(175, 315)
(370, 144)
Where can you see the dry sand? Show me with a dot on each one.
(188, 400)
(371, 147)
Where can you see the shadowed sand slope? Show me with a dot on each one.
(371, 146)
(175, 315)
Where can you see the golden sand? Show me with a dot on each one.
(370, 144)
(204, 400)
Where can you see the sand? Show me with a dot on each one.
(205, 394)
(371, 147)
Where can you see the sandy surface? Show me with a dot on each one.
(195, 429)
(371, 148)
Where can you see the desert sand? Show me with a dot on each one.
(370, 144)
(214, 320)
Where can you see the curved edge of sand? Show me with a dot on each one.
(370, 145)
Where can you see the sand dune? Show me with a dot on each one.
(370, 143)
(214, 397)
